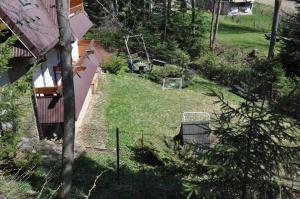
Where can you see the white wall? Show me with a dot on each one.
(75, 51)
(44, 75)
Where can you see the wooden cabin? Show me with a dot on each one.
(34, 22)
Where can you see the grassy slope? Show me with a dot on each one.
(247, 32)
(137, 105)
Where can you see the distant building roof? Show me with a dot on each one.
(31, 23)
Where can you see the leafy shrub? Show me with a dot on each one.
(159, 73)
(115, 65)
(224, 68)
(170, 52)
(110, 39)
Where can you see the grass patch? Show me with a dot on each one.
(137, 105)
(247, 32)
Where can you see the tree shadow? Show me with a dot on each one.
(235, 28)
(142, 183)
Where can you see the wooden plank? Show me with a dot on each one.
(56, 90)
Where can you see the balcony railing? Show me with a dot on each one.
(76, 6)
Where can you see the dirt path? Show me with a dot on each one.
(92, 135)
(287, 6)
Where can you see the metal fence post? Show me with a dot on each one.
(118, 156)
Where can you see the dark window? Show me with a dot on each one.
(25, 2)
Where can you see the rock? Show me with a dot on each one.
(26, 145)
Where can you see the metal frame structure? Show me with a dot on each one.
(180, 84)
(143, 43)
(204, 114)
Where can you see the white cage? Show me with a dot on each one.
(172, 83)
(195, 117)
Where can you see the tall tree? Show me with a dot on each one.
(254, 147)
(68, 96)
(274, 28)
(213, 14)
(193, 15)
(167, 6)
(290, 51)
(216, 25)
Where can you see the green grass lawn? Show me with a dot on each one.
(138, 106)
(247, 32)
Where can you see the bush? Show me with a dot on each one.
(115, 65)
(289, 104)
(225, 69)
(159, 73)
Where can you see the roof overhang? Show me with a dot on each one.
(80, 25)
(31, 25)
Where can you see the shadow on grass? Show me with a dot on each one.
(235, 28)
(142, 183)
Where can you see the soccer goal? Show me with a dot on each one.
(195, 117)
(172, 83)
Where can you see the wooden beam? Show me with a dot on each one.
(75, 68)
(56, 90)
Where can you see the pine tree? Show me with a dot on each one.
(255, 148)
(290, 52)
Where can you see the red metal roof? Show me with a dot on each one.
(32, 24)
(80, 24)
(21, 52)
(50, 6)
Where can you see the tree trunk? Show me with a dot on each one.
(68, 97)
(169, 7)
(184, 4)
(166, 19)
(274, 29)
(193, 16)
(116, 6)
(112, 7)
(213, 14)
(216, 27)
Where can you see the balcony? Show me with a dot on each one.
(49, 100)
(76, 6)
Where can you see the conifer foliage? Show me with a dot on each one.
(255, 148)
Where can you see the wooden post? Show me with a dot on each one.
(145, 48)
(128, 51)
(118, 156)
(36, 116)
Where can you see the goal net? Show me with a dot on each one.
(195, 117)
(172, 83)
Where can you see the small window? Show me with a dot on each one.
(25, 2)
